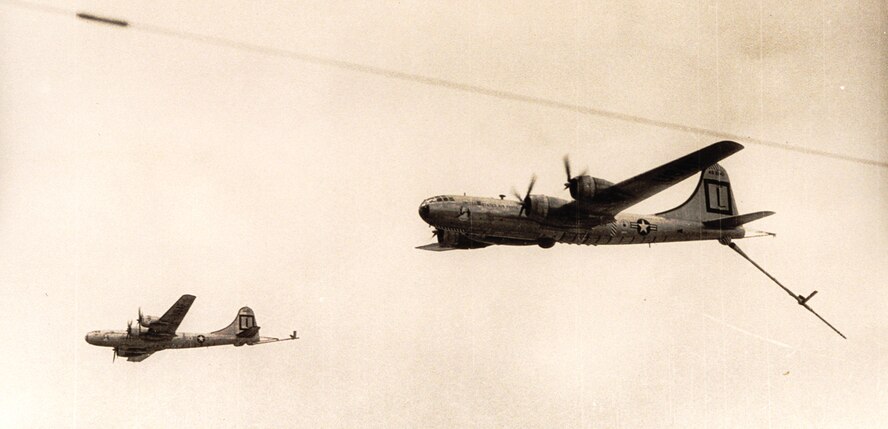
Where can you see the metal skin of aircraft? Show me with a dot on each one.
(138, 344)
(595, 214)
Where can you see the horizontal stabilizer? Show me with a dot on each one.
(266, 340)
(735, 221)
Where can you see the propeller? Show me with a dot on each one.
(567, 169)
(571, 180)
(113, 359)
(140, 316)
(525, 202)
(129, 328)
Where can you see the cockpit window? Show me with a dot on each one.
(438, 199)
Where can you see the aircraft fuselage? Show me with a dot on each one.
(138, 343)
(500, 221)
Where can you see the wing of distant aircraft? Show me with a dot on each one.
(629, 192)
(132, 354)
(168, 323)
(139, 358)
(434, 247)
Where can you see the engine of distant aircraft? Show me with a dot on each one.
(133, 331)
(584, 188)
(146, 321)
(455, 240)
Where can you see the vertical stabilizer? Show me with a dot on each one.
(243, 326)
(711, 200)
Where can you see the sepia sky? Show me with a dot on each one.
(274, 155)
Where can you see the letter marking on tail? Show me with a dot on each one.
(718, 197)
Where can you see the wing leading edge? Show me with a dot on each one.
(170, 321)
(629, 192)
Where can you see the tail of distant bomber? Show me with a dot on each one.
(712, 203)
(243, 326)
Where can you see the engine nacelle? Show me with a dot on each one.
(455, 240)
(146, 321)
(134, 330)
(584, 188)
(537, 207)
(542, 208)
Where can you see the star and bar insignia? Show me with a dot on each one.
(643, 227)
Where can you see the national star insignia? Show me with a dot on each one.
(644, 227)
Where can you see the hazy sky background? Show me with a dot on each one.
(138, 164)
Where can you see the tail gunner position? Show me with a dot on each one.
(137, 344)
(594, 215)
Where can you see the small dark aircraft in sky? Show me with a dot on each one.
(594, 215)
(136, 344)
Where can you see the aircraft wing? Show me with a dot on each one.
(169, 322)
(140, 357)
(435, 247)
(631, 191)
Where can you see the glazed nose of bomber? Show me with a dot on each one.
(424, 211)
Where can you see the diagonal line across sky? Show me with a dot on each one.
(444, 83)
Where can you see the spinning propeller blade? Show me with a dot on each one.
(571, 180)
(525, 202)
(567, 170)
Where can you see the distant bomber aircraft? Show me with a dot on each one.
(595, 215)
(136, 344)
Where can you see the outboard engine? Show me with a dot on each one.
(584, 188)
(146, 321)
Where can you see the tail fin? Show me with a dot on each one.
(712, 200)
(243, 326)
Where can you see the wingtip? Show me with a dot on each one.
(729, 146)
